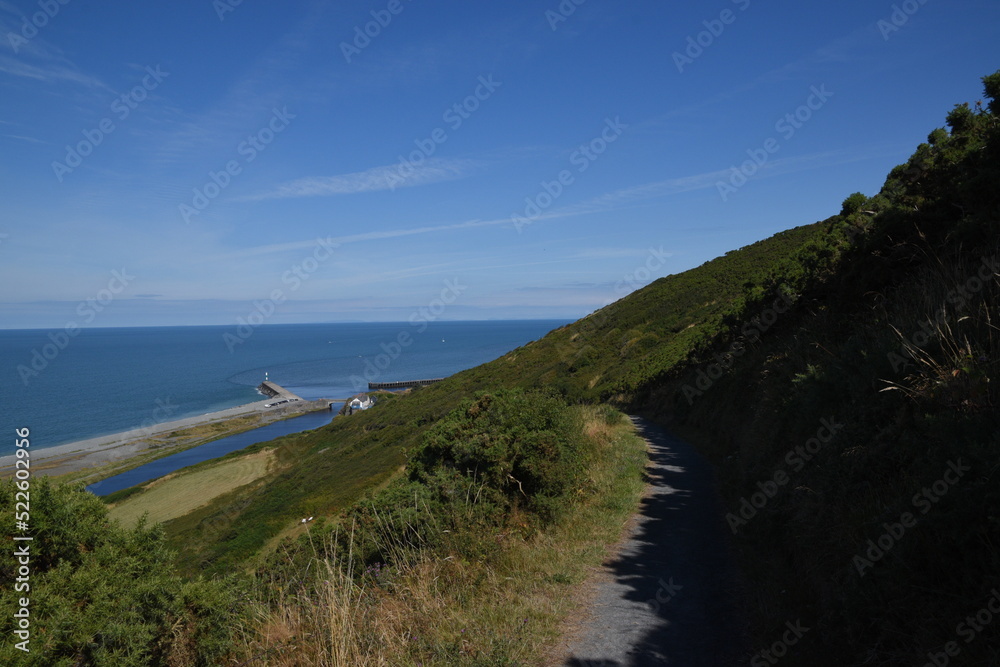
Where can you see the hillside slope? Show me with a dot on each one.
(601, 357)
(842, 378)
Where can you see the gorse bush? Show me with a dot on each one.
(505, 462)
(444, 589)
(104, 595)
(523, 445)
(506, 459)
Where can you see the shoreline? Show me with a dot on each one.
(117, 447)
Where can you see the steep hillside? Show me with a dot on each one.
(838, 371)
(606, 355)
(884, 537)
(841, 376)
(853, 421)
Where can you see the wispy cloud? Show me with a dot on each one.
(272, 79)
(612, 253)
(48, 63)
(672, 186)
(357, 238)
(28, 139)
(610, 201)
(49, 73)
(387, 177)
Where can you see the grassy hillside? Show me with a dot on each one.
(886, 536)
(842, 377)
(470, 556)
(880, 320)
(605, 356)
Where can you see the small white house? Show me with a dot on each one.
(361, 402)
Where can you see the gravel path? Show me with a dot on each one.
(667, 596)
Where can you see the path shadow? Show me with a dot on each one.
(676, 587)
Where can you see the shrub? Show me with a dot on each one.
(104, 595)
(524, 445)
(853, 204)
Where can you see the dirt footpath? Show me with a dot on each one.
(667, 596)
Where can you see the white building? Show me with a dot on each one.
(361, 402)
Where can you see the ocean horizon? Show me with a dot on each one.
(108, 380)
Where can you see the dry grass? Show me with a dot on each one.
(949, 351)
(443, 610)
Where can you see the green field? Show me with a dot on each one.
(177, 494)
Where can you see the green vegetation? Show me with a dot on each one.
(179, 493)
(314, 473)
(449, 508)
(104, 595)
(502, 455)
(429, 571)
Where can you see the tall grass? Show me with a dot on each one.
(911, 370)
(945, 324)
(437, 606)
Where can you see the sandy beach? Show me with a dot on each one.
(92, 452)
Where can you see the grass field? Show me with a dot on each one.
(175, 495)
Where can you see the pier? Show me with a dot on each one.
(273, 390)
(403, 384)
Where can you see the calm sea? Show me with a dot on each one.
(110, 380)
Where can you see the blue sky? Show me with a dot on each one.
(227, 158)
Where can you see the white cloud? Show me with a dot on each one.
(606, 202)
(387, 177)
(28, 139)
(672, 186)
(49, 73)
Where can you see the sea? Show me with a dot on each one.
(108, 380)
